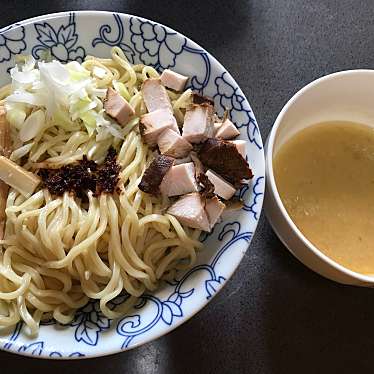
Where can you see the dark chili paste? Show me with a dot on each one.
(82, 176)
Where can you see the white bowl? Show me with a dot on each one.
(74, 35)
(348, 96)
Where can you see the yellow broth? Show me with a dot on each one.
(325, 178)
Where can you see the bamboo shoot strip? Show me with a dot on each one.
(4, 151)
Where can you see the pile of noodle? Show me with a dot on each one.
(59, 252)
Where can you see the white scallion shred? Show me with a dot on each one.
(20, 152)
(34, 125)
(64, 94)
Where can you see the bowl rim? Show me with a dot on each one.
(271, 184)
(164, 332)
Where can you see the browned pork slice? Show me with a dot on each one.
(207, 188)
(240, 146)
(199, 167)
(153, 124)
(223, 157)
(117, 107)
(172, 144)
(154, 174)
(222, 188)
(214, 209)
(200, 99)
(227, 130)
(179, 180)
(189, 210)
(155, 96)
(198, 123)
(173, 80)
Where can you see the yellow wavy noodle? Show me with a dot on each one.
(58, 251)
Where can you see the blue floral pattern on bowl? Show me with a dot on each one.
(71, 36)
(60, 43)
(12, 42)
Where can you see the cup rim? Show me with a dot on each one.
(273, 187)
